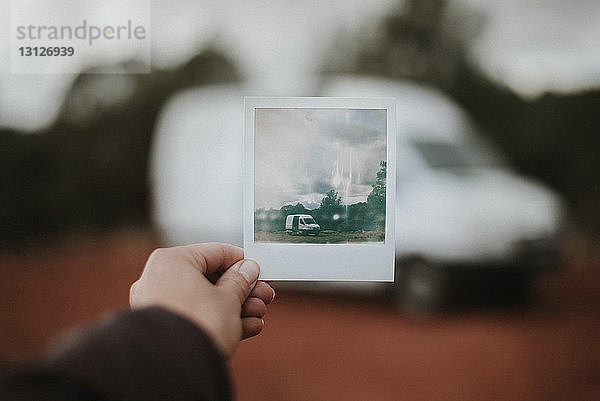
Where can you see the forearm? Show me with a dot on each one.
(149, 355)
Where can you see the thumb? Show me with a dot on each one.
(240, 279)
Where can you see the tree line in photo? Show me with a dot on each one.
(332, 214)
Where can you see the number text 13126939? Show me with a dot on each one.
(55, 51)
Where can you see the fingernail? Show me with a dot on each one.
(273, 289)
(250, 270)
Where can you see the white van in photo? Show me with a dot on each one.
(460, 206)
(301, 224)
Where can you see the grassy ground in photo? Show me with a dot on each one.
(324, 237)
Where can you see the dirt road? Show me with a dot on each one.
(321, 347)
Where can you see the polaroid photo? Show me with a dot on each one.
(319, 188)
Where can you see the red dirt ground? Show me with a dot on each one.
(327, 348)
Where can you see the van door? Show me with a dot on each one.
(295, 223)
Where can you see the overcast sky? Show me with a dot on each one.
(532, 46)
(300, 154)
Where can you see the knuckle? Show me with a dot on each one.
(162, 252)
(158, 253)
(238, 282)
(163, 255)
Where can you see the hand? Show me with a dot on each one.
(177, 279)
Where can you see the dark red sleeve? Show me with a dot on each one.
(146, 355)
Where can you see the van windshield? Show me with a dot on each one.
(445, 155)
(309, 220)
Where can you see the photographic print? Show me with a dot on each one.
(319, 188)
(320, 175)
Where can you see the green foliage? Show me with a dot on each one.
(376, 199)
(269, 220)
(298, 208)
(357, 219)
(330, 214)
(331, 202)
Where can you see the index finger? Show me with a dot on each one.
(211, 258)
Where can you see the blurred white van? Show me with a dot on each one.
(459, 204)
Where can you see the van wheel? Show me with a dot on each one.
(422, 288)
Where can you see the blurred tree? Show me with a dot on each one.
(423, 40)
(89, 169)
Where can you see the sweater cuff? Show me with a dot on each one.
(149, 354)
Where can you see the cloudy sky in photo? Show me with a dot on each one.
(300, 154)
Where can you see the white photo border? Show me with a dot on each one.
(321, 262)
